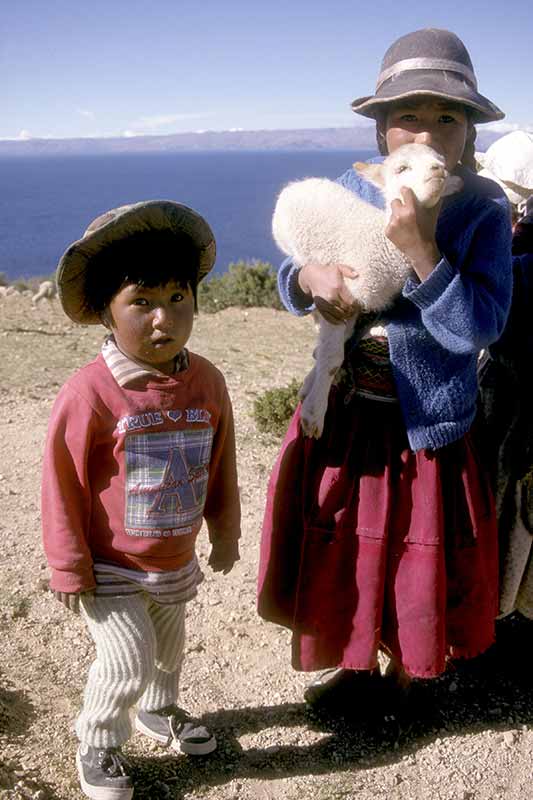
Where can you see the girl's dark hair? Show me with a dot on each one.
(468, 157)
(148, 258)
(380, 136)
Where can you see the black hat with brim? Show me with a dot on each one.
(116, 224)
(429, 62)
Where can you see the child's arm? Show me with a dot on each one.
(66, 495)
(412, 229)
(222, 509)
(464, 306)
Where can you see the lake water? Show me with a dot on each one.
(47, 202)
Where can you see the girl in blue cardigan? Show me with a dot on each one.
(381, 535)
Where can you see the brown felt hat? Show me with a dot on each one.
(119, 223)
(428, 62)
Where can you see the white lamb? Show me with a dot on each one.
(317, 220)
(47, 291)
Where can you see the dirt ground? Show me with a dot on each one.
(466, 736)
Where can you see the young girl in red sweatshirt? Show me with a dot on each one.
(140, 449)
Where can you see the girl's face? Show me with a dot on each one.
(152, 325)
(439, 123)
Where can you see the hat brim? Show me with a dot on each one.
(415, 83)
(159, 215)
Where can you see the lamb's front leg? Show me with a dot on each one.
(307, 385)
(329, 355)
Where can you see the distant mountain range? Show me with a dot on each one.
(349, 138)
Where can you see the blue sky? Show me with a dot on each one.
(105, 68)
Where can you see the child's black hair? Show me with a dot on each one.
(147, 258)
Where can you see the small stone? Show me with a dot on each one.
(509, 738)
(453, 687)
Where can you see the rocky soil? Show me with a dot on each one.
(466, 736)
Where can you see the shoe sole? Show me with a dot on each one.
(101, 792)
(189, 748)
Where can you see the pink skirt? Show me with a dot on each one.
(367, 544)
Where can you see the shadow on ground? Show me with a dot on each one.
(16, 714)
(16, 711)
(492, 692)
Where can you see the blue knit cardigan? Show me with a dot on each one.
(438, 326)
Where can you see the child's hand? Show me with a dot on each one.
(70, 600)
(325, 284)
(412, 229)
(223, 556)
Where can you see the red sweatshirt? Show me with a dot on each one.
(129, 471)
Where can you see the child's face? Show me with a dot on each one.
(152, 325)
(441, 124)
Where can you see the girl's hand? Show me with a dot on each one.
(71, 600)
(223, 556)
(325, 284)
(412, 229)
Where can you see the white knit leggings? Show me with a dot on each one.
(139, 652)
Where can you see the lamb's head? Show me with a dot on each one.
(417, 166)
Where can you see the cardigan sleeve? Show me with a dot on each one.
(465, 306)
(66, 495)
(222, 510)
(290, 293)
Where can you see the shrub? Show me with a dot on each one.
(246, 284)
(275, 407)
(3, 280)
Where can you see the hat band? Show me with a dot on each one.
(426, 63)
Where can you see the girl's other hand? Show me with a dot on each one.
(326, 285)
(71, 600)
(412, 229)
(223, 556)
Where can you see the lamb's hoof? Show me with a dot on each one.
(311, 428)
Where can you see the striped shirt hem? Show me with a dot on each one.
(165, 588)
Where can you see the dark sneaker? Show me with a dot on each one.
(338, 690)
(103, 773)
(173, 727)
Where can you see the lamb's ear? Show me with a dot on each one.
(453, 184)
(372, 172)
